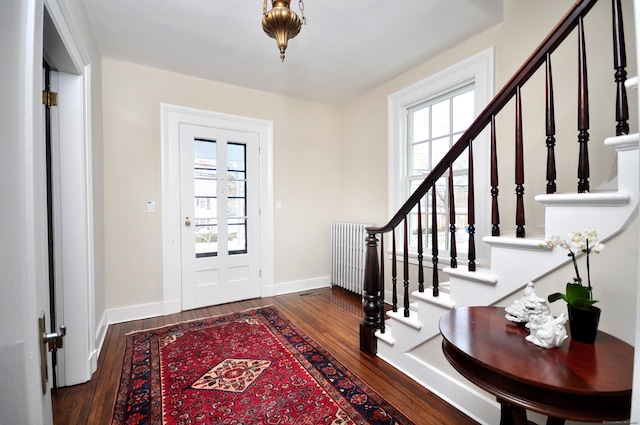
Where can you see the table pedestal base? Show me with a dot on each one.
(510, 414)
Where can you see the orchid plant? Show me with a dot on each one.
(576, 294)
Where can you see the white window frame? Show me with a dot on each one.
(478, 70)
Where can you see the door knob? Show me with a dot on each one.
(187, 222)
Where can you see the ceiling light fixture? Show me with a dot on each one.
(281, 22)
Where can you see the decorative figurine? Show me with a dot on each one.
(522, 308)
(533, 312)
(546, 331)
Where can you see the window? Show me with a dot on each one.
(425, 120)
(433, 127)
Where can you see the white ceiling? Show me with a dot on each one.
(346, 49)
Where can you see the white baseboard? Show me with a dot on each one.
(172, 307)
(461, 395)
(302, 285)
(145, 311)
(134, 312)
(101, 334)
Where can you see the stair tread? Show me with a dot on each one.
(443, 299)
(412, 320)
(624, 142)
(610, 198)
(480, 275)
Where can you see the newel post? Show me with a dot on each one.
(371, 299)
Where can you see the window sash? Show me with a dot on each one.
(433, 126)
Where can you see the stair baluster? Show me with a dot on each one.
(382, 306)
(471, 213)
(620, 65)
(394, 271)
(583, 113)
(495, 211)
(405, 256)
(420, 256)
(520, 233)
(434, 238)
(550, 129)
(452, 226)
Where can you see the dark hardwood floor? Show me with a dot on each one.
(330, 316)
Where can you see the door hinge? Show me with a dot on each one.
(49, 98)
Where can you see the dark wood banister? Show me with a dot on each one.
(373, 302)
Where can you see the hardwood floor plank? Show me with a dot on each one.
(331, 317)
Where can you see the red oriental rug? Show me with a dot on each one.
(250, 367)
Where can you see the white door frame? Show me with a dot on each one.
(172, 117)
(75, 258)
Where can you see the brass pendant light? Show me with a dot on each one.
(281, 22)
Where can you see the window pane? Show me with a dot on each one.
(236, 207)
(205, 186)
(413, 185)
(420, 125)
(440, 148)
(462, 163)
(420, 159)
(236, 160)
(440, 116)
(205, 192)
(206, 237)
(463, 111)
(236, 188)
(237, 197)
(237, 236)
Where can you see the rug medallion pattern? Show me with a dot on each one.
(250, 367)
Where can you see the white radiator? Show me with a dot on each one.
(348, 252)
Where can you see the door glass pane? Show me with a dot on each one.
(237, 197)
(205, 198)
(237, 236)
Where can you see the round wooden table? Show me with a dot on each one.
(582, 382)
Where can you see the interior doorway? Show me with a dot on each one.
(70, 203)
